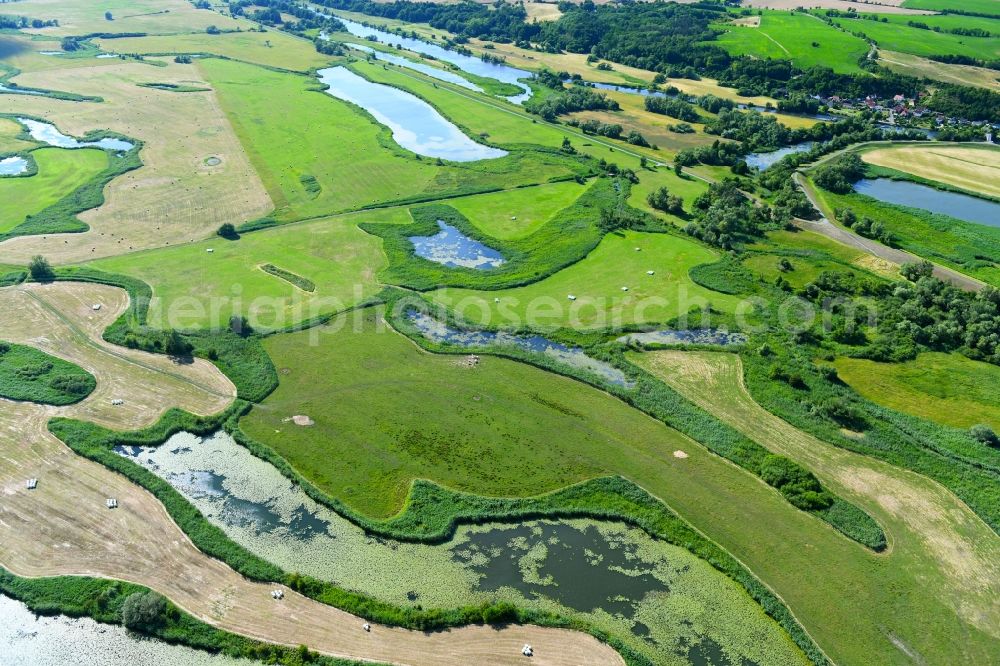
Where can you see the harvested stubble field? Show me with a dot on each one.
(150, 16)
(931, 533)
(63, 528)
(175, 197)
(971, 167)
(911, 65)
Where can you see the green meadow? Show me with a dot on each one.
(686, 187)
(27, 373)
(195, 288)
(318, 155)
(896, 36)
(60, 172)
(991, 7)
(510, 429)
(514, 214)
(799, 37)
(597, 281)
(946, 388)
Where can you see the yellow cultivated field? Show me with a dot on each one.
(10, 131)
(180, 194)
(912, 65)
(63, 527)
(542, 11)
(971, 167)
(81, 17)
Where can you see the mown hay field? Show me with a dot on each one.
(947, 388)
(179, 194)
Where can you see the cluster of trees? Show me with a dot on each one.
(661, 199)
(965, 102)
(610, 130)
(965, 32)
(866, 226)
(568, 100)
(724, 216)
(8, 22)
(673, 107)
(840, 175)
(719, 153)
(269, 12)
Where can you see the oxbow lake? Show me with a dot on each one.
(414, 123)
(661, 598)
(47, 133)
(30, 640)
(450, 247)
(915, 195)
(471, 64)
(12, 166)
(429, 70)
(764, 161)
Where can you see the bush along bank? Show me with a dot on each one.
(149, 614)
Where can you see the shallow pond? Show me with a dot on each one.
(434, 72)
(663, 600)
(30, 640)
(415, 124)
(915, 195)
(696, 336)
(764, 161)
(47, 133)
(451, 247)
(12, 166)
(573, 357)
(471, 64)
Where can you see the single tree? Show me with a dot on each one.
(143, 609)
(40, 268)
(228, 231)
(108, 16)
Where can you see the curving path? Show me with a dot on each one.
(63, 527)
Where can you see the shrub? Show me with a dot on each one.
(228, 231)
(985, 434)
(143, 610)
(40, 268)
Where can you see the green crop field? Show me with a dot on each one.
(60, 172)
(900, 37)
(29, 374)
(597, 283)
(194, 288)
(517, 213)
(947, 388)
(801, 38)
(294, 132)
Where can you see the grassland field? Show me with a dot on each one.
(176, 196)
(11, 140)
(980, 6)
(149, 16)
(517, 213)
(929, 529)
(970, 167)
(798, 37)
(596, 281)
(911, 65)
(900, 37)
(60, 173)
(834, 584)
(194, 288)
(949, 389)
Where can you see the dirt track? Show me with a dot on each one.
(63, 527)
